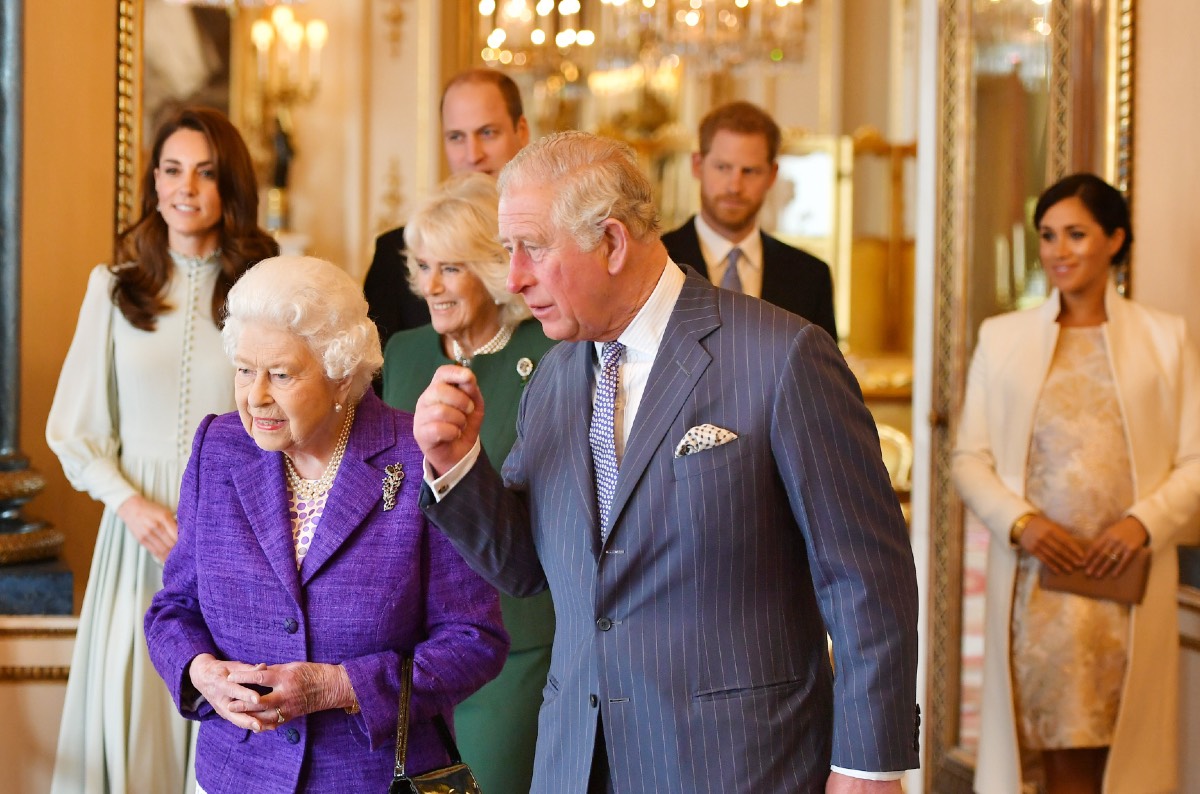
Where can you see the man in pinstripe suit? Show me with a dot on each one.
(751, 513)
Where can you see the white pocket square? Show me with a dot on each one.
(702, 437)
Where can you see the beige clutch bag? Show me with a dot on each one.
(1128, 588)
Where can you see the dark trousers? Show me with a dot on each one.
(600, 782)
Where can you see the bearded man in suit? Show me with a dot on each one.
(697, 480)
(737, 166)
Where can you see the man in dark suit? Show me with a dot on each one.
(736, 166)
(483, 126)
(697, 480)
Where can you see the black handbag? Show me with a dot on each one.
(453, 779)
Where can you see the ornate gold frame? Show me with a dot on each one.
(949, 768)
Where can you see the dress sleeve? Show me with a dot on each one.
(82, 427)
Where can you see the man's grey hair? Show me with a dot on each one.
(593, 179)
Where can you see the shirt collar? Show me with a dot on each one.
(716, 248)
(645, 332)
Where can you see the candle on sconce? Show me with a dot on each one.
(316, 33)
(293, 38)
(262, 34)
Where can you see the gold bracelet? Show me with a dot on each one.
(1018, 527)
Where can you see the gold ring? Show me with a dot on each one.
(282, 719)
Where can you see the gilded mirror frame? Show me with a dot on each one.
(1090, 128)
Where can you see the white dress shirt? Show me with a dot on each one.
(715, 250)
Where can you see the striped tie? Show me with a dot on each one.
(601, 433)
(731, 280)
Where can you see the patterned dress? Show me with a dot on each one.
(127, 404)
(1069, 652)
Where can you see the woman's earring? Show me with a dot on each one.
(337, 408)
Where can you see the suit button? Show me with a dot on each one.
(290, 625)
(604, 624)
(595, 701)
(293, 736)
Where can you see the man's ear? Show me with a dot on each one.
(697, 163)
(523, 131)
(617, 243)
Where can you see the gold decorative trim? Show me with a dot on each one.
(1059, 149)
(944, 769)
(40, 633)
(391, 200)
(42, 543)
(392, 13)
(20, 484)
(129, 110)
(28, 673)
(1122, 122)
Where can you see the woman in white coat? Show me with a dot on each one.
(1079, 443)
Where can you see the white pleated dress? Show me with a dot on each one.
(126, 408)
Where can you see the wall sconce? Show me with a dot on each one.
(287, 72)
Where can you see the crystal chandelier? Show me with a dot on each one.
(711, 35)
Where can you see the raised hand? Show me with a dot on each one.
(448, 417)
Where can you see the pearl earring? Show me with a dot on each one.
(337, 408)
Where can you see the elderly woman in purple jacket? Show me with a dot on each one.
(304, 569)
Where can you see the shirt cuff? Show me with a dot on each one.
(866, 775)
(440, 486)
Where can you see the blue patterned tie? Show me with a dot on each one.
(731, 280)
(601, 433)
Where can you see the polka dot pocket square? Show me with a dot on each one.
(702, 437)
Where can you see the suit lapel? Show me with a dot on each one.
(776, 289)
(263, 493)
(358, 487)
(680, 362)
(577, 391)
(689, 249)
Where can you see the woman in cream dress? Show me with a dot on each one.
(1079, 443)
(146, 364)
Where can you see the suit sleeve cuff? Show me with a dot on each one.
(866, 775)
(440, 486)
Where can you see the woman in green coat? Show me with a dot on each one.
(456, 263)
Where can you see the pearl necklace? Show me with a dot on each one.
(312, 489)
(496, 343)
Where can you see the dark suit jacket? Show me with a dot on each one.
(794, 280)
(391, 304)
(697, 629)
(374, 585)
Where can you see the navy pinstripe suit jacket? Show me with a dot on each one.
(697, 629)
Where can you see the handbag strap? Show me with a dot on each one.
(402, 716)
(402, 724)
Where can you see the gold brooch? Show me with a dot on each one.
(393, 475)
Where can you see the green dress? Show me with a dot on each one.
(496, 727)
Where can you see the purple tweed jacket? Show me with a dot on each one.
(374, 585)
